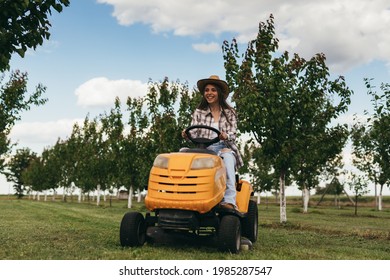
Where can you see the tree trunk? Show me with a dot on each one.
(356, 204)
(258, 198)
(282, 195)
(306, 195)
(98, 195)
(139, 195)
(71, 193)
(64, 195)
(380, 198)
(79, 198)
(45, 196)
(376, 197)
(129, 200)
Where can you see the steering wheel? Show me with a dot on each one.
(203, 142)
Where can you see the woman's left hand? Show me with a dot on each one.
(223, 136)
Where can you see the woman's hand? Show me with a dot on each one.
(184, 134)
(223, 136)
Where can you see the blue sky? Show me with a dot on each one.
(102, 48)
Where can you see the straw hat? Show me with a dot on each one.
(214, 80)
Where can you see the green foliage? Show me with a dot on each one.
(92, 168)
(371, 139)
(259, 169)
(13, 101)
(24, 24)
(137, 160)
(15, 168)
(379, 134)
(358, 184)
(42, 173)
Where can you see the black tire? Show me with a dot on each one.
(133, 230)
(250, 224)
(229, 234)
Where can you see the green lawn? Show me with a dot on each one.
(38, 230)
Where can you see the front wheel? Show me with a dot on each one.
(229, 234)
(132, 230)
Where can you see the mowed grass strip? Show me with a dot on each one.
(37, 230)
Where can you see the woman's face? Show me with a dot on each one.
(211, 94)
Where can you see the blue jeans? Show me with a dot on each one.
(230, 163)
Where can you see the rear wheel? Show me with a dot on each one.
(229, 234)
(133, 229)
(250, 224)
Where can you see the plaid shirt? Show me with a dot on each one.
(204, 117)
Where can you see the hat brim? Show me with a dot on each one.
(220, 83)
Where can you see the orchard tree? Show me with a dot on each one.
(94, 162)
(43, 173)
(380, 134)
(24, 25)
(15, 168)
(165, 133)
(334, 175)
(259, 169)
(33, 176)
(284, 102)
(85, 171)
(371, 140)
(137, 155)
(358, 185)
(52, 168)
(322, 147)
(112, 128)
(13, 101)
(64, 156)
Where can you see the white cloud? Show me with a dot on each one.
(100, 92)
(349, 32)
(190, 17)
(207, 48)
(37, 135)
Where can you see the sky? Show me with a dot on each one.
(100, 49)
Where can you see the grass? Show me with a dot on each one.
(37, 230)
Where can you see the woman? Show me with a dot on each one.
(214, 111)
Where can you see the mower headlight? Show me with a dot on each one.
(203, 163)
(161, 162)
